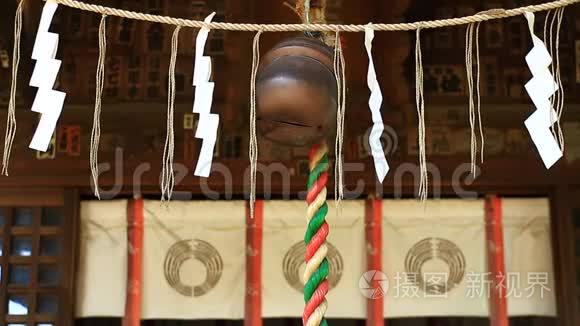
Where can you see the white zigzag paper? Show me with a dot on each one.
(208, 124)
(47, 102)
(540, 88)
(375, 101)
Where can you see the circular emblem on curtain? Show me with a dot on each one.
(294, 260)
(185, 250)
(433, 251)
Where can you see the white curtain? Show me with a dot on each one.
(194, 260)
(528, 257)
(102, 272)
(283, 259)
(431, 253)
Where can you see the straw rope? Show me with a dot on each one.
(479, 17)
(11, 119)
(100, 83)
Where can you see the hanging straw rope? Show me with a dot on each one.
(553, 44)
(420, 101)
(167, 175)
(11, 119)
(473, 87)
(339, 71)
(480, 17)
(477, 90)
(100, 81)
(253, 150)
(559, 96)
(469, 69)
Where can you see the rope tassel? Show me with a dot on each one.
(167, 174)
(100, 82)
(420, 101)
(11, 118)
(253, 143)
(317, 267)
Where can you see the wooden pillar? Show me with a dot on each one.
(495, 260)
(253, 300)
(561, 202)
(134, 263)
(373, 235)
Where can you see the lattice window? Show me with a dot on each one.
(36, 254)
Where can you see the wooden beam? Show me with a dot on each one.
(135, 262)
(373, 234)
(253, 299)
(561, 203)
(496, 263)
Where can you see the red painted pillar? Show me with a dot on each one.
(253, 301)
(134, 263)
(373, 235)
(495, 261)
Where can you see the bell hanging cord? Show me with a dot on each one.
(317, 266)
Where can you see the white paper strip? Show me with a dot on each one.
(208, 122)
(375, 101)
(47, 102)
(540, 88)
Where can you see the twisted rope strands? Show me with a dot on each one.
(483, 16)
(317, 267)
(100, 83)
(11, 118)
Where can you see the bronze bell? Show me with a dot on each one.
(296, 92)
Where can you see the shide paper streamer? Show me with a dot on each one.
(207, 126)
(540, 88)
(375, 101)
(47, 102)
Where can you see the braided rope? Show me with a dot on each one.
(479, 17)
(317, 266)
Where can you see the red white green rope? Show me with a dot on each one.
(317, 268)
